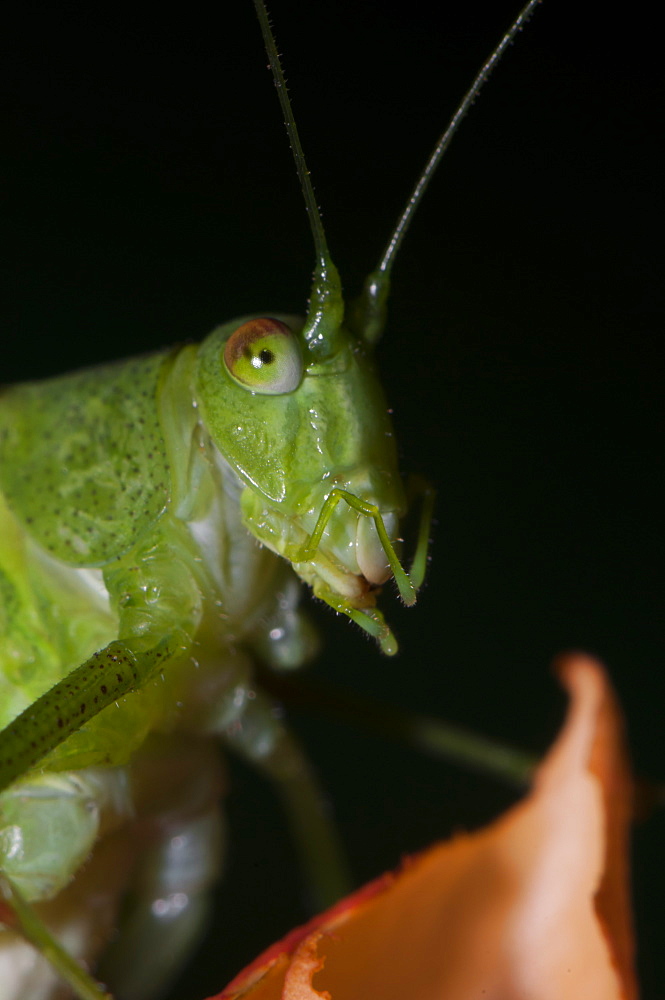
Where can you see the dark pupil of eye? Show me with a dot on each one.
(266, 356)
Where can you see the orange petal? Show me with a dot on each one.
(534, 907)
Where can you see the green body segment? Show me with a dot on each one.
(82, 459)
(127, 495)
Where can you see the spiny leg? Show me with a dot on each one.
(110, 673)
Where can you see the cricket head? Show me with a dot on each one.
(306, 429)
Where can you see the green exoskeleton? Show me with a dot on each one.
(134, 496)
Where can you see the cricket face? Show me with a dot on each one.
(295, 433)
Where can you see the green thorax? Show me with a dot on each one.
(82, 458)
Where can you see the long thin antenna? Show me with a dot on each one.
(326, 309)
(369, 310)
(415, 198)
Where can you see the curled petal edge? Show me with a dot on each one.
(533, 907)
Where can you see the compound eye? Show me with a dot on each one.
(264, 355)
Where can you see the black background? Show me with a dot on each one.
(148, 194)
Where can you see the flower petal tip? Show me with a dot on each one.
(533, 907)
